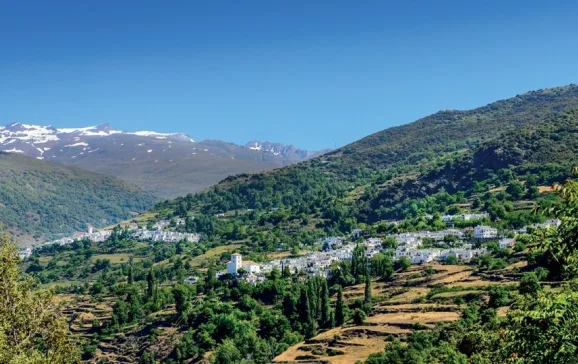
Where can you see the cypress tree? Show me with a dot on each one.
(325, 314)
(339, 309)
(286, 272)
(367, 289)
(150, 284)
(130, 276)
(304, 308)
(289, 305)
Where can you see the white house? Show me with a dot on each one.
(485, 232)
(507, 243)
(235, 264)
(252, 268)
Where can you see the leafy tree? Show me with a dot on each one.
(389, 243)
(358, 263)
(530, 284)
(499, 297)
(359, 316)
(403, 264)
(559, 247)
(543, 330)
(32, 330)
(516, 190)
(382, 265)
(227, 353)
(182, 299)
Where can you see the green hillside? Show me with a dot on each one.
(429, 166)
(39, 199)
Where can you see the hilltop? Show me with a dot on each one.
(40, 199)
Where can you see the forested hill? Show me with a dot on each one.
(452, 130)
(39, 199)
(407, 170)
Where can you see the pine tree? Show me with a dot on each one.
(339, 309)
(367, 299)
(325, 314)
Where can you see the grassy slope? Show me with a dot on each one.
(45, 199)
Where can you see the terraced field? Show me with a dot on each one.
(405, 303)
(86, 314)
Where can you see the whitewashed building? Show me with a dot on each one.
(235, 264)
(485, 232)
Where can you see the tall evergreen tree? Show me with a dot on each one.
(358, 263)
(130, 277)
(339, 309)
(367, 289)
(286, 272)
(304, 307)
(150, 284)
(325, 314)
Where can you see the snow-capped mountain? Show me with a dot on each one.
(168, 164)
(36, 140)
(288, 152)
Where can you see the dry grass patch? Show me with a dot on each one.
(414, 293)
(517, 265)
(479, 283)
(411, 318)
(213, 253)
(343, 345)
(117, 258)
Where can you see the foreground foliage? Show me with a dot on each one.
(31, 328)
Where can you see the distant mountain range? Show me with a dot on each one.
(166, 164)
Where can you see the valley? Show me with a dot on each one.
(431, 250)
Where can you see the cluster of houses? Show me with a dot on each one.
(94, 236)
(165, 236)
(159, 233)
(335, 249)
(465, 217)
(311, 264)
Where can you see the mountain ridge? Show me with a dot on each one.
(166, 164)
(393, 173)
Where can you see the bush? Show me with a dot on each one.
(359, 316)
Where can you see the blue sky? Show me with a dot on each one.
(316, 74)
